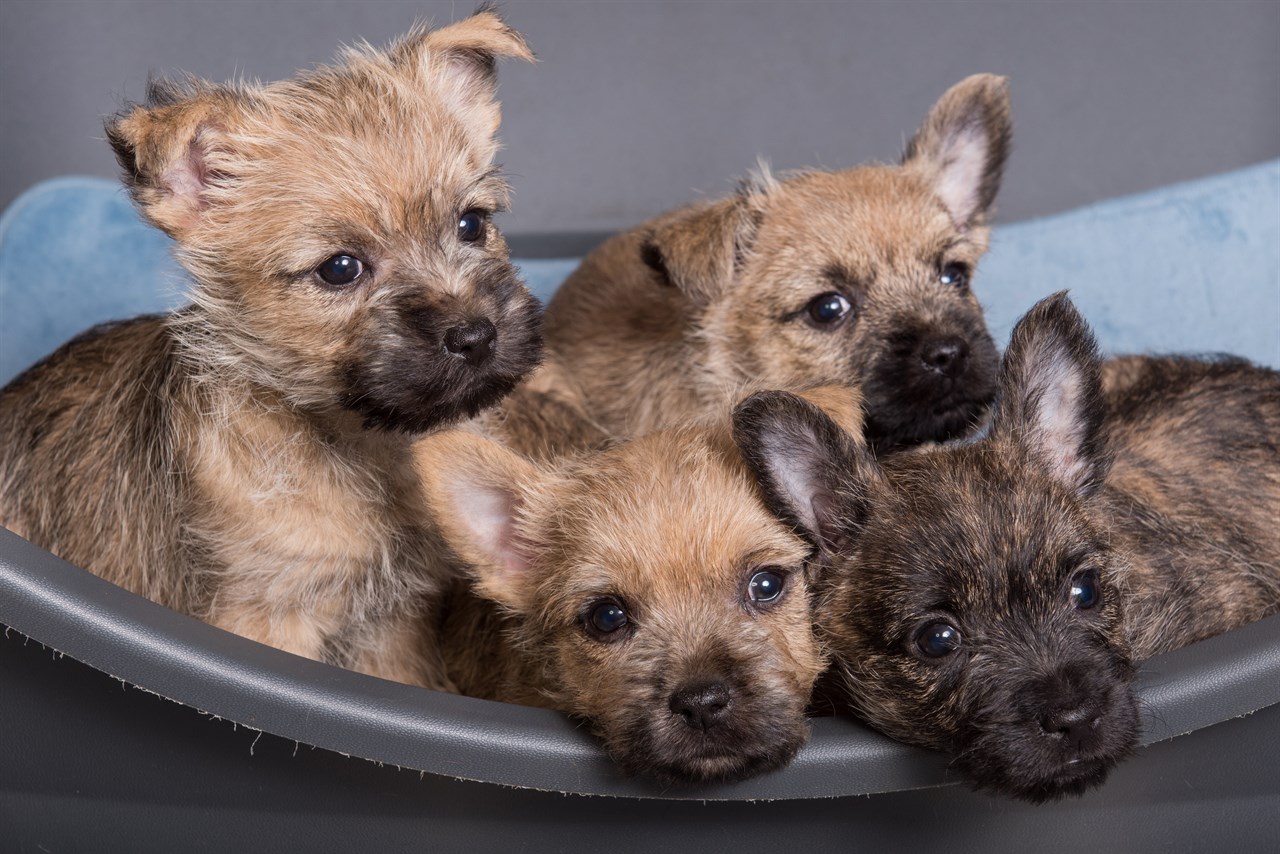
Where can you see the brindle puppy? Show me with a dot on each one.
(247, 459)
(859, 277)
(992, 599)
(643, 587)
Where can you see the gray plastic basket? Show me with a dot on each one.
(263, 750)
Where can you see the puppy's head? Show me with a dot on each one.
(860, 277)
(974, 604)
(337, 226)
(668, 607)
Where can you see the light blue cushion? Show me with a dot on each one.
(1194, 267)
(74, 253)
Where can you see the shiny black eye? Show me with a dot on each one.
(471, 226)
(1085, 592)
(765, 586)
(938, 639)
(606, 620)
(340, 270)
(955, 276)
(827, 309)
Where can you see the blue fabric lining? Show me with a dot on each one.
(1193, 267)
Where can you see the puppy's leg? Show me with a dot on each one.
(291, 629)
(405, 649)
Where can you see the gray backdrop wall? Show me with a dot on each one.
(638, 106)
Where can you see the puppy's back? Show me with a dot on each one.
(1195, 487)
(623, 336)
(90, 426)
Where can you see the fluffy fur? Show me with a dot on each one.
(992, 599)
(247, 459)
(702, 682)
(678, 317)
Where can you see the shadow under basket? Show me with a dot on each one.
(128, 726)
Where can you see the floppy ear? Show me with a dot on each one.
(460, 63)
(814, 475)
(475, 490)
(174, 149)
(1050, 394)
(961, 148)
(698, 248)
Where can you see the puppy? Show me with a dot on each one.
(860, 277)
(247, 459)
(992, 599)
(643, 587)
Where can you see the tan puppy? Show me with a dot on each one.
(644, 588)
(247, 459)
(857, 277)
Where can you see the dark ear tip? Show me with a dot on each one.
(747, 413)
(1055, 316)
(1058, 307)
(754, 415)
(996, 84)
(989, 90)
(762, 402)
(773, 411)
(651, 257)
(493, 9)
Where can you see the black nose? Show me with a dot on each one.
(946, 356)
(701, 705)
(472, 341)
(1077, 727)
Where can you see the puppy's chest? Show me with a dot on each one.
(310, 512)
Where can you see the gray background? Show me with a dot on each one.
(639, 106)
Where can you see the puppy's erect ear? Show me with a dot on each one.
(1050, 397)
(698, 248)
(175, 149)
(961, 148)
(813, 474)
(476, 491)
(460, 63)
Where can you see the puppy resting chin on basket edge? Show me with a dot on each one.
(643, 587)
(992, 599)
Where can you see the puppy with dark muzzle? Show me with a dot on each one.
(859, 277)
(643, 587)
(992, 599)
(247, 459)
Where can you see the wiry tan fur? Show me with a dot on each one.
(688, 312)
(247, 459)
(668, 526)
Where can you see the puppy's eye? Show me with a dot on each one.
(955, 275)
(765, 586)
(606, 621)
(471, 226)
(828, 309)
(937, 640)
(1085, 591)
(340, 270)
